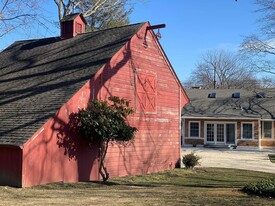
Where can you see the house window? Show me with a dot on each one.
(212, 95)
(146, 92)
(267, 129)
(247, 131)
(194, 129)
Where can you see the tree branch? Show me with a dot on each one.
(17, 17)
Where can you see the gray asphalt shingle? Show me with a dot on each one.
(224, 106)
(38, 76)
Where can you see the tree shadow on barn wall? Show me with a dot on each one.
(85, 154)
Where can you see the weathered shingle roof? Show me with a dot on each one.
(38, 76)
(224, 106)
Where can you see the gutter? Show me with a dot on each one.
(223, 118)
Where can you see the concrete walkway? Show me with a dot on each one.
(256, 160)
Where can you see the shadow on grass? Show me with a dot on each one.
(109, 183)
(197, 178)
(92, 185)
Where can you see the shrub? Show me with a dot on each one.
(190, 160)
(265, 187)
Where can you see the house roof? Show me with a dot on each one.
(248, 106)
(38, 76)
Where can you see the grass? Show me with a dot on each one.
(202, 186)
(272, 157)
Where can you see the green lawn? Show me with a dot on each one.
(272, 157)
(203, 186)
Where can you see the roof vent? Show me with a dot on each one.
(260, 95)
(71, 25)
(212, 95)
(236, 95)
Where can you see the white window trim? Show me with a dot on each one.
(252, 131)
(272, 130)
(189, 129)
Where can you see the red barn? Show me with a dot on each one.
(44, 81)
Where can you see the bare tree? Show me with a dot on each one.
(267, 82)
(98, 13)
(220, 69)
(259, 50)
(18, 14)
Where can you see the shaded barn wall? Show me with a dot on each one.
(54, 154)
(157, 143)
(11, 166)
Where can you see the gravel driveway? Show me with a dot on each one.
(256, 160)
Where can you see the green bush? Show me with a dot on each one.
(190, 160)
(265, 187)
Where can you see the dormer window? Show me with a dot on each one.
(236, 95)
(260, 95)
(212, 95)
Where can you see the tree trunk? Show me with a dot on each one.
(102, 169)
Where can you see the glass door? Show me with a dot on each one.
(220, 133)
(210, 133)
(230, 134)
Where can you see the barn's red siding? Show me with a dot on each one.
(157, 142)
(53, 154)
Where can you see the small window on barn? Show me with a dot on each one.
(78, 28)
(236, 95)
(212, 95)
(145, 92)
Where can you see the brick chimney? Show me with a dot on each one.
(71, 25)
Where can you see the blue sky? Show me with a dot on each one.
(192, 27)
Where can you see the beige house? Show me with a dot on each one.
(233, 117)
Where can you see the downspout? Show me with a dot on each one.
(180, 123)
(182, 131)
